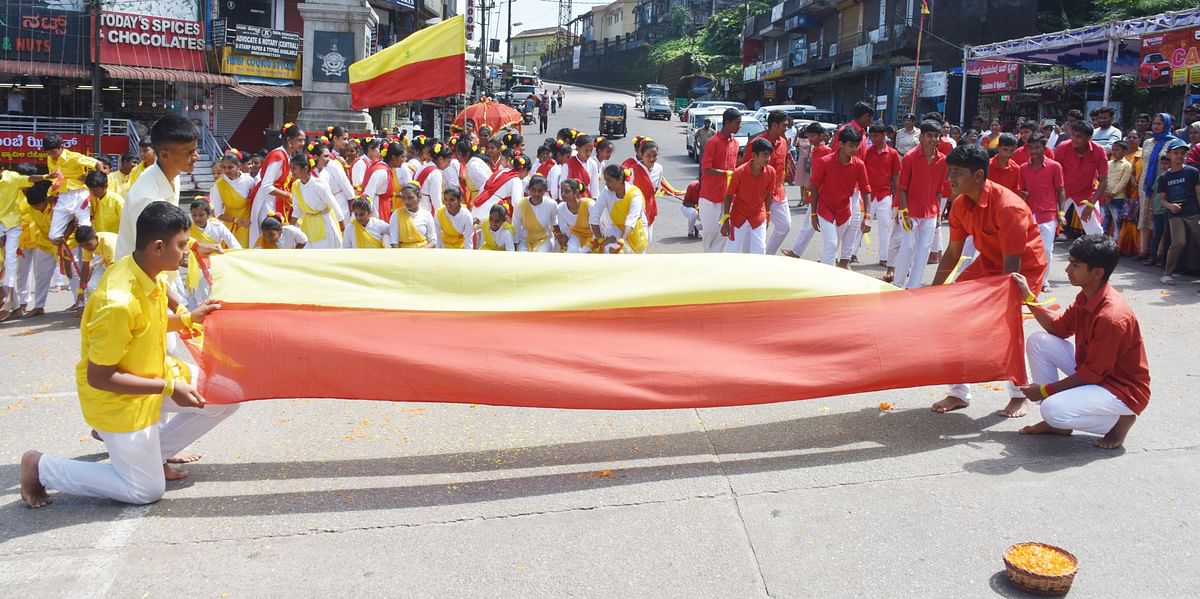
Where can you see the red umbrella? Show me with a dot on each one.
(493, 114)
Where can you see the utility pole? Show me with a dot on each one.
(483, 42)
(510, 3)
(97, 102)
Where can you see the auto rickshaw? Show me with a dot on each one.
(612, 119)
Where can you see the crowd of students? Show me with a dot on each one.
(333, 192)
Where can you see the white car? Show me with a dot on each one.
(798, 112)
(696, 118)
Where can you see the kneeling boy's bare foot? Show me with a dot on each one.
(1015, 408)
(1042, 428)
(36, 312)
(32, 492)
(949, 404)
(184, 458)
(790, 254)
(1116, 436)
(173, 473)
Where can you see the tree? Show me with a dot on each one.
(1124, 9)
(723, 33)
(679, 22)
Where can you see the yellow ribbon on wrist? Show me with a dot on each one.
(1045, 392)
(723, 218)
(169, 387)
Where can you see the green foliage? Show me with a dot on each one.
(1056, 15)
(680, 21)
(1119, 9)
(722, 34)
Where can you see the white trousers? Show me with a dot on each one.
(781, 222)
(939, 243)
(70, 207)
(880, 212)
(748, 240)
(895, 236)
(575, 247)
(34, 271)
(856, 218)
(1091, 226)
(649, 236)
(914, 252)
(692, 215)
(1088, 408)
(836, 240)
(804, 232)
(135, 472)
(710, 232)
(10, 238)
(1047, 230)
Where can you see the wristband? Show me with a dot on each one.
(723, 218)
(169, 388)
(1045, 392)
(1049, 389)
(1030, 298)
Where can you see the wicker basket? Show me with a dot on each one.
(1041, 584)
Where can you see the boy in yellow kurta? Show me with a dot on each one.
(12, 183)
(99, 251)
(106, 203)
(120, 181)
(37, 251)
(69, 168)
(124, 374)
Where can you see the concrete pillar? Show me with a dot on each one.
(325, 101)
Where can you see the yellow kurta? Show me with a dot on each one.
(536, 234)
(451, 237)
(489, 240)
(106, 212)
(119, 183)
(35, 228)
(236, 207)
(636, 239)
(410, 236)
(73, 166)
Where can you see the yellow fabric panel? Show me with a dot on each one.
(447, 280)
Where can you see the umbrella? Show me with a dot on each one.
(493, 114)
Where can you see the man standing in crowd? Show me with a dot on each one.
(1105, 133)
(719, 158)
(1085, 170)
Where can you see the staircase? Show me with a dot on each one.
(199, 181)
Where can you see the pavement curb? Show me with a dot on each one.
(595, 87)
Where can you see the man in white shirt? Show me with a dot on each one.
(1105, 133)
(908, 136)
(174, 139)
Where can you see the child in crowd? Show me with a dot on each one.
(365, 232)
(278, 236)
(834, 180)
(498, 233)
(455, 229)
(412, 226)
(572, 230)
(314, 204)
(748, 200)
(622, 203)
(534, 219)
(99, 251)
(106, 204)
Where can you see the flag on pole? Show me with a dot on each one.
(924, 7)
(429, 63)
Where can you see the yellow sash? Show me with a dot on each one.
(582, 228)
(313, 221)
(636, 239)
(236, 206)
(536, 233)
(263, 244)
(363, 239)
(489, 241)
(451, 237)
(410, 237)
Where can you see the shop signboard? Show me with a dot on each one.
(861, 58)
(333, 51)
(1171, 58)
(264, 41)
(996, 76)
(259, 66)
(932, 85)
(31, 33)
(152, 34)
(771, 69)
(22, 146)
(799, 54)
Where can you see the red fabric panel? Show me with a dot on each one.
(736, 354)
(425, 79)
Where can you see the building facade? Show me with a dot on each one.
(528, 45)
(833, 53)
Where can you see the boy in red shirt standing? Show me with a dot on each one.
(780, 213)
(748, 200)
(922, 175)
(1042, 188)
(1085, 171)
(1002, 169)
(1006, 241)
(1108, 377)
(811, 150)
(717, 161)
(835, 180)
(883, 172)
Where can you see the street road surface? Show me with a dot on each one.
(823, 498)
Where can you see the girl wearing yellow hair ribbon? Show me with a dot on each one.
(314, 203)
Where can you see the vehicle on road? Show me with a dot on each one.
(656, 90)
(696, 121)
(749, 128)
(684, 114)
(1154, 67)
(612, 119)
(658, 107)
(639, 99)
(517, 94)
(798, 112)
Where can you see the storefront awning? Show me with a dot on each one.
(251, 90)
(44, 69)
(124, 72)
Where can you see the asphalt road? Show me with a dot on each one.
(822, 498)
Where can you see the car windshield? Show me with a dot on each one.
(710, 103)
(1154, 58)
(523, 89)
(659, 102)
(824, 116)
(750, 127)
(698, 119)
(657, 90)
(613, 110)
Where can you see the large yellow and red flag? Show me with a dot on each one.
(427, 64)
(590, 331)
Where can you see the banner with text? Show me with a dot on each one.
(996, 76)
(33, 34)
(22, 146)
(152, 34)
(1171, 58)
